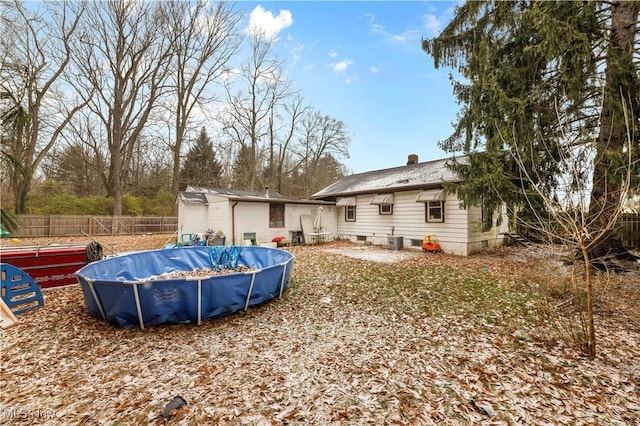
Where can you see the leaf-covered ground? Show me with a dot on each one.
(430, 339)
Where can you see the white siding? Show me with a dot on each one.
(460, 233)
(294, 211)
(192, 218)
(492, 238)
(219, 216)
(251, 217)
(408, 221)
(254, 217)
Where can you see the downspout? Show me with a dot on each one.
(233, 223)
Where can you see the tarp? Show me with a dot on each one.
(126, 290)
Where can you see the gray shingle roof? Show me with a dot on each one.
(235, 194)
(430, 174)
(192, 197)
(196, 194)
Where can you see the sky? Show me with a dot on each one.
(361, 62)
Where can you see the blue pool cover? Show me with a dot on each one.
(140, 289)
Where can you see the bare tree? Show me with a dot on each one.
(123, 55)
(87, 130)
(36, 51)
(569, 215)
(322, 136)
(282, 140)
(252, 96)
(205, 38)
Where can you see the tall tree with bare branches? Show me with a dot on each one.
(253, 94)
(36, 49)
(323, 139)
(124, 56)
(283, 135)
(205, 37)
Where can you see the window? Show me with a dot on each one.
(350, 213)
(276, 215)
(385, 209)
(434, 211)
(384, 203)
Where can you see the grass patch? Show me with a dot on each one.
(418, 291)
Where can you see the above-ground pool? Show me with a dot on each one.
(187, 284)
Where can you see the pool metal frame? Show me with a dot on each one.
(146, 283)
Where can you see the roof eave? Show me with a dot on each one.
(280, 200)
(383, 190)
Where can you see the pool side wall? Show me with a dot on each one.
(119, 290)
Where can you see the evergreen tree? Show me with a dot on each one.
(201, 168)
(77, 168)
(538, 80)
(243, 170)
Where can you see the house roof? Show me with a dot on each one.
(192, 197)
(430, 174)
(197, 194)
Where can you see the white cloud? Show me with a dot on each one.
(432, 24)
(371, 17)
(342, 65)
(333, 54)
(296, 52)
(406, 36)
(373, 69)
(262, 22)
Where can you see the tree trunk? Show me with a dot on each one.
(116, 184)
(175, 181)
(21, 196)
(621, 85)
(590, 348)
(180, 123)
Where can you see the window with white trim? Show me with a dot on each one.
(350, 213)
(385, 209)
(434, 211)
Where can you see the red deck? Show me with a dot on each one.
(49, 266)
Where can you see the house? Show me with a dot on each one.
(236, 213)
(410, 202)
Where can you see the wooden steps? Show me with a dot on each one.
(519, 239)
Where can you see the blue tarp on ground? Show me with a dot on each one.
(119, 289)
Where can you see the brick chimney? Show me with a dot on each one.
(412, 159)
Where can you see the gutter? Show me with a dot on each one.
(233, 223)
(385, 190)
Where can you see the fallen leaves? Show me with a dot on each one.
(351, 342)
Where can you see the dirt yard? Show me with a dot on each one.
(117, 244)
(363, 335)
